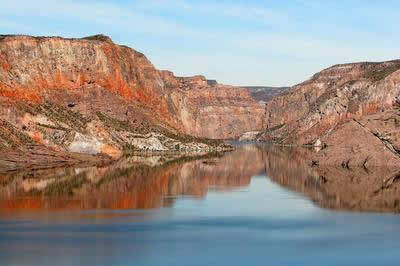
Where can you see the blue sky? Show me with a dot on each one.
(237, 42)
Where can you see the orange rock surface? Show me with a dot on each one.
(39, 69)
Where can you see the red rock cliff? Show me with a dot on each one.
(83, 71)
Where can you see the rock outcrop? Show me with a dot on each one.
(351, 111)
(93, 96)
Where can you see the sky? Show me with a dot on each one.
(238, 42)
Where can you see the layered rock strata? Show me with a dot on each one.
(350, 111)
(93, 96)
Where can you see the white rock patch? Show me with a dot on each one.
(85, 144)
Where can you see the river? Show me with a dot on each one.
(258, 205)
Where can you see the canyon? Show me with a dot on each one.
(73, 100)
(93, 96)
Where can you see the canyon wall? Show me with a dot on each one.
(350, 111)
(91, 95)
(216, 111)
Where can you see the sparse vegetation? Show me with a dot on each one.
(350, 83)
(98, 37)
(114, 123)
(58, 114)
(13, 137)
(380, 74)
(52, 127)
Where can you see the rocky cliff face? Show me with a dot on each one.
(265, 94)
(93, 96)
(212, 111)
(351, 111)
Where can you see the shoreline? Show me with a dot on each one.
(38, 157)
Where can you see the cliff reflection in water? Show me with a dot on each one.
(354, 189)
(155, 182)
(133, 183)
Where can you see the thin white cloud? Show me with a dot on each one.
(100, 13)
(218, 9)
(304, 46)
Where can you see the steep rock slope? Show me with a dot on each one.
(350, 110)
(212, 111)
(90, 95)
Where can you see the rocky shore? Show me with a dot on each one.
(350, 113)
(37, 157)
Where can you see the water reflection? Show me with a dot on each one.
(221, 210)
(132, 183)
(152, 182)
(358, 189)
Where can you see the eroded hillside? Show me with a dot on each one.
(93, 96)
(350, 111)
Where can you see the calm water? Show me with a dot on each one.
(245, 208)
